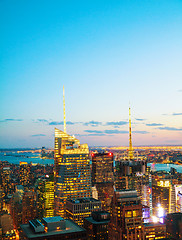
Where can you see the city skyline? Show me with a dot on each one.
(106, 55)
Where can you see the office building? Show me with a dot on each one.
(152, 231)
(173, 223)
(72, 172)
(80, 208)
(97, 225)
(102, 177)
(8, 231)
(179, 202)
(45, 197)
(126, 216)
(5, 179)
(52, 228)
(28, 206)
(163, 194)
(24, 173)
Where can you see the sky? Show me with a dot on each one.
(107, 54)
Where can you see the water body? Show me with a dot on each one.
(16, 158)
(165, 167)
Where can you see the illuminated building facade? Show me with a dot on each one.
(152, 231)
(97, 225)
(16, 209)
(5, 179)
(45, 201)
(163, 194)
(24, 173)
(78, 209)
(8, 232)
(126, 216)
(72, 173)
(179, 202)
(103, 178)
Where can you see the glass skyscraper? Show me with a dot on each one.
(72, 172)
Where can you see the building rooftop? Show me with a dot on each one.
(91, 220)
(53, 219)
(71, 227)
(158, 224)
(83, 200)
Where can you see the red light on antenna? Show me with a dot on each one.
(110, 154)
(149, 191)
(92, 154)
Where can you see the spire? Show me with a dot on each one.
(130, 140)
(64, 111)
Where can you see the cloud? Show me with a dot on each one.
(11, 120)
(140, 119)
(56, 123)
(141, 132)
(176, 114)
(42, 120)
(115, 131)
(170, 128)
(92, 123)
(154, 124)
(93, 131)
(172, 114)
(38, 135)
(120, 123)
(94, 134)
(61, 123)
(180, 90)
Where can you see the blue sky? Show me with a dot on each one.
(106, 54)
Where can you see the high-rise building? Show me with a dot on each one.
(24, 173)
(16, 209)
(80, 208)
(45, 197)
(102, 177)
(163, 194)
(72, 172)
(174, 225)
(126, 216)
(5, 178)
(97, 225)
(28, 206)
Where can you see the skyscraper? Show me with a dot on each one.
(45, 195)
(72, 174)
(71, 170)
(102, 177)
(126, 216)
(24, 173)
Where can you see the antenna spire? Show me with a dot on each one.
(64, 111)
(130, 140)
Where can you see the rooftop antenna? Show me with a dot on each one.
(130, 140)
(64, 111)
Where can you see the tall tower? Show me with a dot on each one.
(72, 174)
(130, 152)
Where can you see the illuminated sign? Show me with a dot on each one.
(163, 183)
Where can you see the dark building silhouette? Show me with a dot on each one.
(97, 225)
